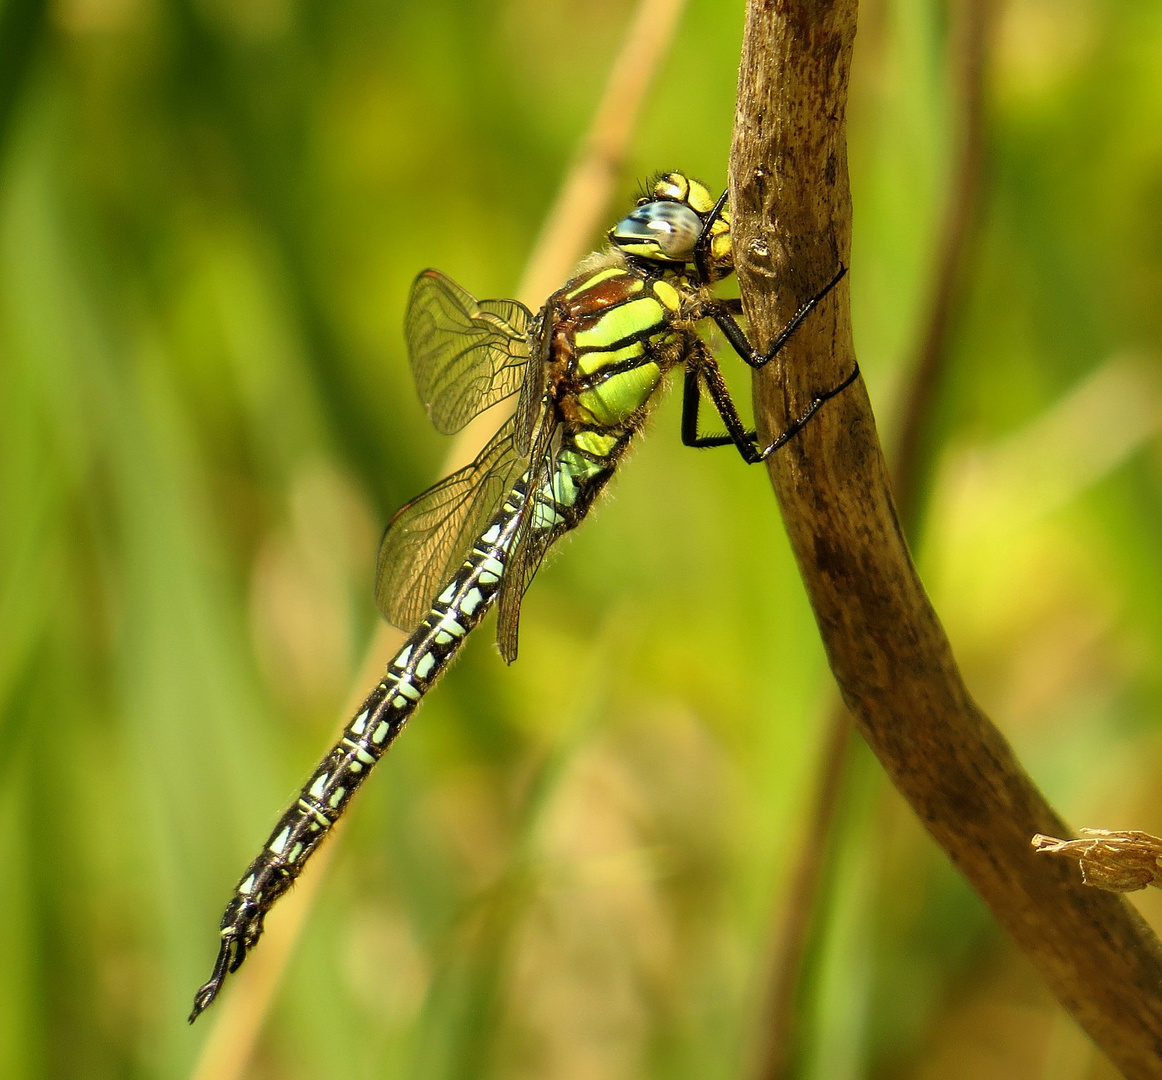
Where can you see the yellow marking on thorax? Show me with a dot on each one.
(589, 363)
(623, 321)
(594, 442)
(668, 295)
(620, 396)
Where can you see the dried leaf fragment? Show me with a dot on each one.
(1114, 861)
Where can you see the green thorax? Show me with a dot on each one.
(613, 338)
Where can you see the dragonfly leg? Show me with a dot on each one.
(702, 369)
(737, 433)
(721, 313)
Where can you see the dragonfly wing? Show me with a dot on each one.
(430, 537)
(531, 405)
(536, 533)
(466, 355)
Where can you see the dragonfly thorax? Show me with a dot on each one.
(613, 337)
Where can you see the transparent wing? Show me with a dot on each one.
(533, 539)
(430, 537)
(531, 404)
(465, 354)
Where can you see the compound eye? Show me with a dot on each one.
(661, 230)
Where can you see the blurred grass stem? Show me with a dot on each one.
(22, 28)
(582, 202)
(576, 215)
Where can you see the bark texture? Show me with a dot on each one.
(791, 208)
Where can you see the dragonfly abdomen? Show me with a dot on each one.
(412, 672)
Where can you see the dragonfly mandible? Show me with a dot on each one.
(585, 370)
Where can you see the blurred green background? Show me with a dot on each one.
(210, 214)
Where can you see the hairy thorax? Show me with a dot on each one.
(615, 332)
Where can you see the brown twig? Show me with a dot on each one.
(796, 923)
(792, 223)
(575, 215)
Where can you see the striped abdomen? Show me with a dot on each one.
(381, 717)
(582, 467)
(612, 342)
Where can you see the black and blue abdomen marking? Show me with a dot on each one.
(582, 466)
(410, 675)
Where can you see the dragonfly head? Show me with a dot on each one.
(670, 225)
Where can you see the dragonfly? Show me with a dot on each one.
(585, 371)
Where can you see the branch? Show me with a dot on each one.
(797, 925)
(791, 220)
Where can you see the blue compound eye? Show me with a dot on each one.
(661, 230)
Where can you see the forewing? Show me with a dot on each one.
(466, 355)
(430, 537)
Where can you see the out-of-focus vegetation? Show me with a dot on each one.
(210, 213)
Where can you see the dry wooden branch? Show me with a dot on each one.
(791, 210)
(797, 922)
